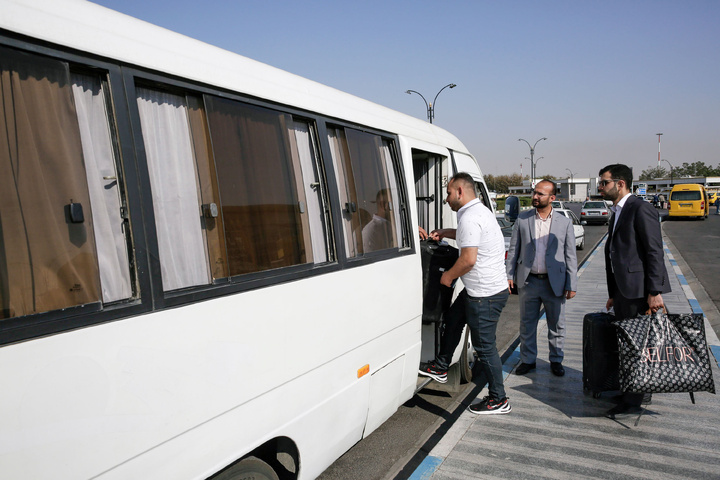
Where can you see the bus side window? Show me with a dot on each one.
(173, 180)
(104, 183)
(264, 203)
(47, 259)
(369, 191)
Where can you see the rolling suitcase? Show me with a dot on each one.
(601, 365)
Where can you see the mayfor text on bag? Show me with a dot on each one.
(664, 353)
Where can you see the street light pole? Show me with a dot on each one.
(532, 155)
(672, 179)
(658, 134)
(431, 106)
(572, 184)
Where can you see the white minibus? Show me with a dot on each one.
(209, 267)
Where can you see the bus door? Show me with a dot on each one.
(431, 173)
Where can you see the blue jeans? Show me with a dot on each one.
(481, 314)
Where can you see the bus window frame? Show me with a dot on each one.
(27, 327)
(399, 165)
(148, 295)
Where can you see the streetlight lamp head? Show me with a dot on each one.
(408, 92)
(452, 85)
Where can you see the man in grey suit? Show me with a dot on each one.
(542, 263)
(634, 260)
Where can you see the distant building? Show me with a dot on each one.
(576, 189)
(658, 185)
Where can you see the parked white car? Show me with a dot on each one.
(577, 226)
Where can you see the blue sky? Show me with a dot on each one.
(599, 79)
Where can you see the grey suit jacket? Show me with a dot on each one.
(634, 255)
(560, 257)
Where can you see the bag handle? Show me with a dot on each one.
(649, 311)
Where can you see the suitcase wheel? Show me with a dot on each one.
(596, 394)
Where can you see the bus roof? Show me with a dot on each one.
(95, 29)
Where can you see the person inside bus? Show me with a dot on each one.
(377, 234)
(482, 267)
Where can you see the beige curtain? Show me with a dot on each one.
(257, 186)
(46, 263)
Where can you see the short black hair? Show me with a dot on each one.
(466, 179)
(554, 186)
(619, 171)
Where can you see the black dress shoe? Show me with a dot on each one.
(524, 368)
(557, 369)
(622, 410)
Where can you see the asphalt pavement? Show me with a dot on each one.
(557, 430)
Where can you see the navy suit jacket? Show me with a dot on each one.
(634, 255)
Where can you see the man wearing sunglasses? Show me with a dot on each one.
(634, 260)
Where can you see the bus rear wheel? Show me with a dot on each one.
(248, 468)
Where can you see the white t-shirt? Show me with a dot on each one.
(477, 227)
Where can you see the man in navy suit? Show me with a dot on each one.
(634, 262)
(542, 262)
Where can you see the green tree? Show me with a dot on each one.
(654, 172)
(502, 183)
(696, 169)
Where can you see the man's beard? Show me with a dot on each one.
(611, 194)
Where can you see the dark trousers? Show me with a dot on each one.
(481, 314)
(629, 308)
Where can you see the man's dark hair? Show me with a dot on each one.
(466, 179)
(554, 186)
(619, 171)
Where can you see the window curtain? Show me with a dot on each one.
(103, 185)
(346, 190)
(213, 229)
(395, 205)
(176, 204)
(46, 262)
(313, 192)
(257, 186)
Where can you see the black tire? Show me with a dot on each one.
(467, 360)
(248, 468)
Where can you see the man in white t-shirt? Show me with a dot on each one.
(482, 267)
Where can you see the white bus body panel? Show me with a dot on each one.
(211, 377)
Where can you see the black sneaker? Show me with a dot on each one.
(491, 406)
(430, 369)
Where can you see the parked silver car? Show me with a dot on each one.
(577, 226)
(595, 211)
